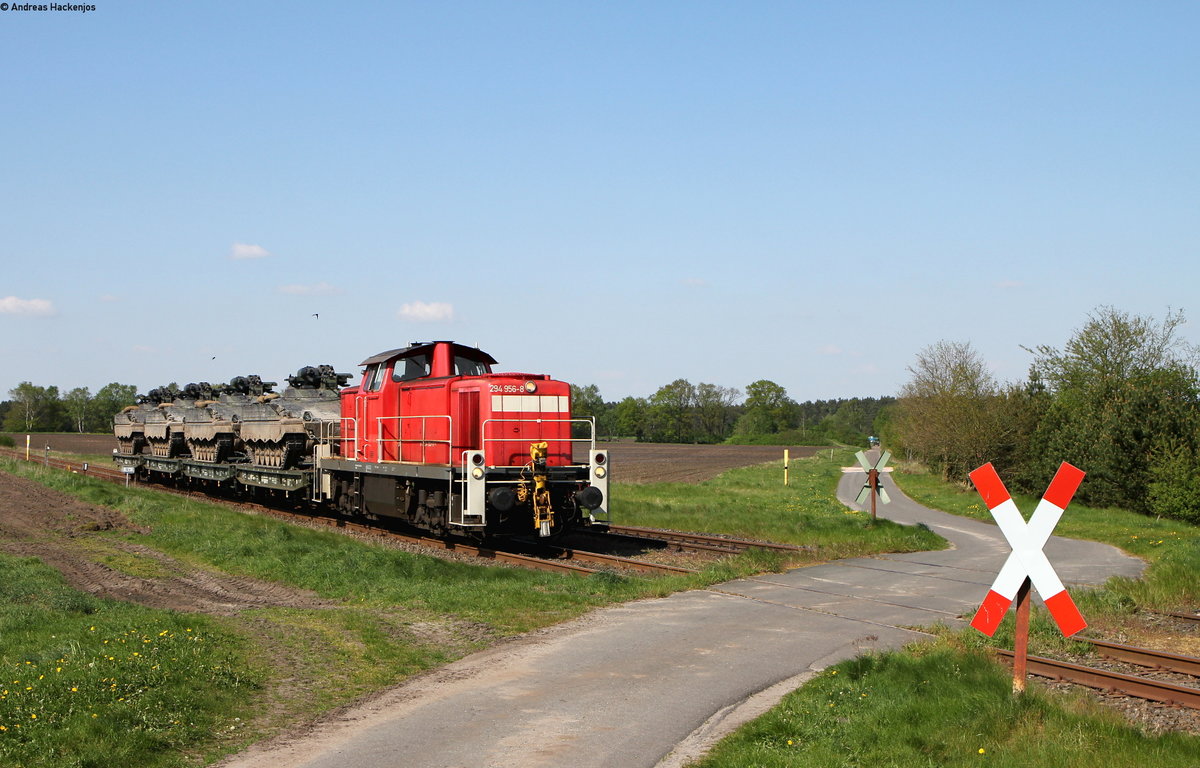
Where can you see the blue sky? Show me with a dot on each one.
(613, 193)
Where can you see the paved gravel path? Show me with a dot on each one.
(654, 683)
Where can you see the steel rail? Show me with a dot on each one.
(615, 561)
(1145, 657)
(1111, 682)
(701, 541)
(1184, 616)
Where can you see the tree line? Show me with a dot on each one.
(679, 412)
(32, 408)
(1120, 400)
(682, 412)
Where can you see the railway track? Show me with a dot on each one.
(1109, 681)
(1144, 657)
(698, 542)
(539, 557)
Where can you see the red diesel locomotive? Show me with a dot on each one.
(430, 435)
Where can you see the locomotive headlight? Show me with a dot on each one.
(601, 472)
(530, 387)
(477, 473)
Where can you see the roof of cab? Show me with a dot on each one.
(417, 347)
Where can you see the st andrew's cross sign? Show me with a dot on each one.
(1027, 560)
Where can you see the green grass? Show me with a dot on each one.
(936, 705)
(90, 682)
(753, 502)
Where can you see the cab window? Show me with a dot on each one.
(409, 368)
(466, 366)
(375, 375)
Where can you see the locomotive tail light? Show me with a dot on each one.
(475, 491)
(599, 464)
(530, 387)
(597, 490)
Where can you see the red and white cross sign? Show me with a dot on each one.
(1027, 557)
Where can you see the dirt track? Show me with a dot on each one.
(66, 533)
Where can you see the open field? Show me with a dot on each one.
(632, 462)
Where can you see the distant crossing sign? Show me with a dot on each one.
(873, 488)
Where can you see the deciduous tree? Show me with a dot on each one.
(1122, 397)
(951, 413)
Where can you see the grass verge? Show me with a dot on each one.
(938, 705)
(753, 502)
(88, 682)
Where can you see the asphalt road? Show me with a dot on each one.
(653, 683)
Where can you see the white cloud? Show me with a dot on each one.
(694, 282)
(421, 312)
(317, 289)
(242, 251)
(110, 298)
(1005, 285)
(830, 349)
(11, 305)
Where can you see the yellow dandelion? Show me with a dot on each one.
(74, 689)
(33, 717)
(981, 751)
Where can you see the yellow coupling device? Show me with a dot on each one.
(543, 513)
